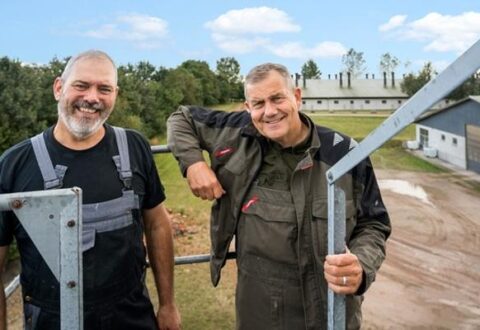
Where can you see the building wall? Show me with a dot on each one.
(351, 104)
(358, 104)
(444, 143)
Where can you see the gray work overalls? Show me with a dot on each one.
(112, 246)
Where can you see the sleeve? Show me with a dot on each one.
(6, 217)
(373, 224)
(190, 130)
(142, 159)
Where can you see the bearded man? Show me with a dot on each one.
(122, 200)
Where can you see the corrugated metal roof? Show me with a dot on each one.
(359, 88)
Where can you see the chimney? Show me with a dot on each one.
(393, 79)
(384, 79)
(341, 80)
(348, 79)
(366, 75)
(304, 82)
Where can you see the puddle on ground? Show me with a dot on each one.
(405, 188)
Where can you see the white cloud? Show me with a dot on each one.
(297, 50)
(244, 31)
(393, 23)
(443, 33)
(145, 31)
(259, 20)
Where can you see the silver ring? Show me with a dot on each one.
(344, 280)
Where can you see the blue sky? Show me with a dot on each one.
(166, 33)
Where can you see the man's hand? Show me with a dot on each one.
(203, 181)
(168, 318)
(343, 273)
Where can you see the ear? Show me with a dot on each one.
(57, 88)
(247, 106)
(297, 93)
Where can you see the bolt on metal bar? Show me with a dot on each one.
(160, 149)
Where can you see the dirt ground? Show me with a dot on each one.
(431, 277)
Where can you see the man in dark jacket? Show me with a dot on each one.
(122, 199)
(267, 177)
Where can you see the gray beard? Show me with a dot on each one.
(83, 128)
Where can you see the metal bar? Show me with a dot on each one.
(52, 219)
(12, 286)
(199, 258)
(160, 149)
(439, 87)
(336, 245)
(71, 277)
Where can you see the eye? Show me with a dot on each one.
(105, 89)
(257, 105)
(80, 86)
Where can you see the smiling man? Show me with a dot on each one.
(122, 200)
(267, 175)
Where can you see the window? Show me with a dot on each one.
(335, 102)
(303, 102)
(367, 101)
(319, 101)
(443, 137)
(423, 137)
(384, 101)
(351, 101)
(454, 141)
(399, 101)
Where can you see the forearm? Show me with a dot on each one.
(159, 240)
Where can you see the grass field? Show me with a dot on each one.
(201, 305)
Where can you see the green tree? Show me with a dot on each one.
(207, 80)
(414, 82)
(353, 62)
(310, 70)
(20, 101)
(228, 77)
(388, 63)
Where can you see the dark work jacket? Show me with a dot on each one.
(235, 148)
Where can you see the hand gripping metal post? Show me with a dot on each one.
(53, 220)
(454, 75)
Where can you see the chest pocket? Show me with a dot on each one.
(268, 226)
(320, 224)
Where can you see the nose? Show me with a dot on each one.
(270, 109)
(91, 95)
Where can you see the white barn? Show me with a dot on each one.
(343, 93)
(454, 132)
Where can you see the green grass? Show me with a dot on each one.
(205, 307)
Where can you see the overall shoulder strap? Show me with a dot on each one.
(52, 176)
(122, 161)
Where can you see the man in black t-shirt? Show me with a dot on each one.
(122, 200)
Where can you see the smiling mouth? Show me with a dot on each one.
(86, 110)
(274, 121)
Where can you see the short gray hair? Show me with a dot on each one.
(260, 72)
(93, 53)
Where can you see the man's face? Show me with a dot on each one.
(274, 109)
(87, 96)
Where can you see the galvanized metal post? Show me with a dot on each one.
(53, 221)
(439, 87)
(336, 245)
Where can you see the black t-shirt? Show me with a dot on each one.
(93, 170)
